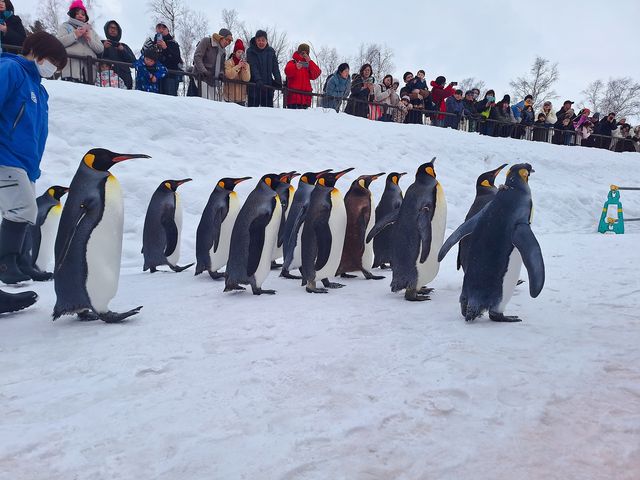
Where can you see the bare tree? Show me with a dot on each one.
(593, 95)
(380, 57)
(539, 84)
(622, 96)
(168, 11)
(192, 27)
(49, 13)
(470, 83)
(231, 20)
(328, 60)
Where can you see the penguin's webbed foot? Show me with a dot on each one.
(260, 291)
(463, 308)
(286, 274)
(178, 269)
(233, 287)
(412, 295)
(216, 275)
(331, 285)
(370, 276)
(500, 317)
(88, 316)
(316, 290)
(113, 317)
(347, 275)
(425, 291)
(275, 265)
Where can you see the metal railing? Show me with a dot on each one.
(83, 69)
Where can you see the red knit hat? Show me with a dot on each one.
(77, 4)
(239, 45)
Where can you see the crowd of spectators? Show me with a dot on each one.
(250, 77)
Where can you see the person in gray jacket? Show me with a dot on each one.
(79, 38)
(337, 87)
(208, 62)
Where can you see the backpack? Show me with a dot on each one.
(326, 82)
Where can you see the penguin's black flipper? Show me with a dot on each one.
(525, 241)
(113, 317)
(462, 231)
(383, 223)
(256, 240)
(323, 236)
(424, 228)
(216, 227)
(81, 213)
(170, 231)
(289, 244)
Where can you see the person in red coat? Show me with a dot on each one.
(439, 93)
(300, 71)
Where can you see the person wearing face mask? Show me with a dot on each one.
(11, 28)
(483, 107)
(24, 121)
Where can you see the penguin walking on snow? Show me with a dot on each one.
(357, 255)
(88, 246)
(41, 237)
(390, 202)
(254, 237)
(213, 237)
(500, 240)
(323, 233)
(163, 228)
(418, 235)
(291, 243)
(485, 192)
(285, 192)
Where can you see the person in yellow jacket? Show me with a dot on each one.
(236, 68)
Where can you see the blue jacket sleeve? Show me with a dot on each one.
(9, 79)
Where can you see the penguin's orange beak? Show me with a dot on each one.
(240, 180)
(497, 171)
(129, 156)
(377, 176)
(343, 172)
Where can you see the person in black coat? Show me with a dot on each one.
(625, 144)
(265, 71)
(605, 127)
(114, 49)
(362, 86)
(168, 55)
(11, 28)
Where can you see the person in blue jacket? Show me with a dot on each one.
(149, 72)
(24, 118)
(337, 88)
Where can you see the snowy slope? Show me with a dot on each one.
(358, 384)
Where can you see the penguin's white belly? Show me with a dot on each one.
(48, 232)
(270, 240)
(367, 256)
(338, 227)
(175, 256)
(104, 249)
(220, 257)
(510, 279)
(297, 252)
(428, 270)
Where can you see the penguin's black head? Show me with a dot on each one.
(310, 178)
(286, 177)
(426, 170)
(174, 184)
(365, 180)
(518, 175)
(272, 180)
(329, 179)
(488, 179)
(394, 177)
(57, 192)
(230, 183)
(102, 160)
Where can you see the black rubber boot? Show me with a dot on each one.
(37, 275)
(13, 302)
(11, 239)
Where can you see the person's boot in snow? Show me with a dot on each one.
(14, 302)
(11, 239)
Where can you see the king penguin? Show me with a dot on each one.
(213, 237)
(500, 240)
(163, 228)
(254, 237)
(88, 246)
(323, 233)
(485, 192)
(42, 236)
(291, 246)
(418, 234)
(390, 202)
(357, 255)
(285, 192)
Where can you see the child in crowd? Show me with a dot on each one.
(107, 77)
(149, 71)
(400, 113)
(541, 129)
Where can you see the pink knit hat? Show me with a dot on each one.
(77, 4)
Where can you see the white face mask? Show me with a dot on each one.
(46, 69)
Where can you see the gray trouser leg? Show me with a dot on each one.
(17, 196)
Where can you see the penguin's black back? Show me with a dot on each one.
(482, 199)
(213, 215)
(160, 215)
(299, 205)
(390, 201)
(316, 234)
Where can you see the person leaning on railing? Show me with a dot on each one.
(208, 62)
(79, 39)
(149, 72)
(265, 71)
(337, 87)
(362, 86)
(386, 93)
(114, 49)
(11, 28)
(168, 55)
(238, 70)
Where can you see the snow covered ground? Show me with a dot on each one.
(357, 384)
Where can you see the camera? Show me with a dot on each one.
(303, 64)
(158, 37)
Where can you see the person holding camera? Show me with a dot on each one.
(79, 38)
(208, 62)
(439, 93)
(114, 49)
(237, 68)
(168, 55)
(362, 90)
(11, 28)
(300, 71)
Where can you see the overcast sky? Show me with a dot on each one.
(492, 40)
